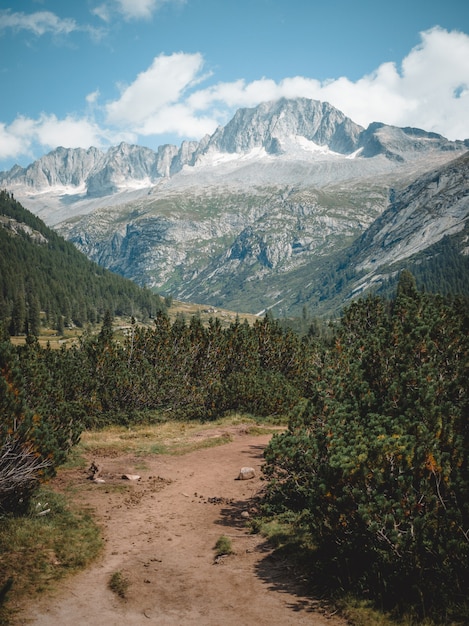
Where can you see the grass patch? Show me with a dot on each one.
(223, 546)
(184, 447)
(164, 438)
(278, 533)
(119, 584)
(36, 550)
(75, 459)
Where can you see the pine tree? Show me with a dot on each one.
(18, 314)
(34, 316)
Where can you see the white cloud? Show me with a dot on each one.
(92, 97)
(429, 90)
(69, 132)
(161, 85)
(136, 8)
(39, 23)
(102, 11)
(178, 120)
(14, 142)
(25, 135)
(142, 9)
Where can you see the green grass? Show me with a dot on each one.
(223, 546)
(37, 550)
(119, 584)
(278, 532)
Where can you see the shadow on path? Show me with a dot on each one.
(280, 571)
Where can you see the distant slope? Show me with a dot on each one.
(425, 230)
(40, 271)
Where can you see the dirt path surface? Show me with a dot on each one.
(160, 532)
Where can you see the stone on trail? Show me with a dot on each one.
(130, 477)
(245, 473)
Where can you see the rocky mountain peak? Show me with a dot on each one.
(62, 167)
(401, 144)
(271, 124)
(297, 128)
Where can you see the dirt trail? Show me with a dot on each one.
(160, 533)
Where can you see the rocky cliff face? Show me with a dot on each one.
(436, 205)
(62, 167)
(241, 218)
(273, 124)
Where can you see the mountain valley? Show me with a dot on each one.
(259, 214)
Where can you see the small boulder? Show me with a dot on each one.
(130, 477)
(245, 473)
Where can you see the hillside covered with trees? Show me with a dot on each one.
(41, 274)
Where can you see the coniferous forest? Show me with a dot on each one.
(41, 272)
(373, 468)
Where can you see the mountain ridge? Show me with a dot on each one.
(225, 221)
(265, 126)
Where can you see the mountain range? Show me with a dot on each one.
(291, 204)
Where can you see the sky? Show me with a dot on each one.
(149, 72)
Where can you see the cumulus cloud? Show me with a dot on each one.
(137, 8)
(39, 23)
(103, 12)
(92, 97)
(132, 9)
(14, 140)
(51, 131)
(161, 85)
(24, 135)
(430, 90)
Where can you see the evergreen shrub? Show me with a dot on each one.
(377, 460)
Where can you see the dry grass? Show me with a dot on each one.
(71, 336)
(206, 312)
(51, 338)
(167, 438)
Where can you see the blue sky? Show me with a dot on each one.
(97, 72)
